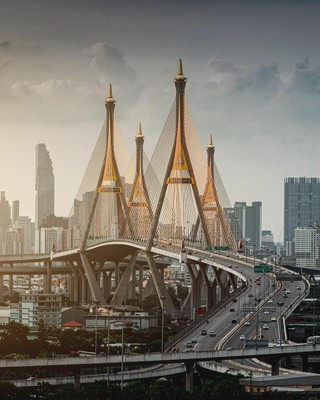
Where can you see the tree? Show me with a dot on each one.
(14, 338)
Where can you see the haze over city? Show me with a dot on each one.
(253, 72)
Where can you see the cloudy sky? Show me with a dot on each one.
(253, 70)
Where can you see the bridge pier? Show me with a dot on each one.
(77, 379)
(189, 377)
(304, 362)
(121, 289)
(11, 282)
(107, 284)
(275, 365)
(1, 287)
(48, 281)
(160, 285)
(90, 278)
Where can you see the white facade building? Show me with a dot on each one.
(307, 246)
(47, 238)
(34, 307)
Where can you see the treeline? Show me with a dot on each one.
(219, 388)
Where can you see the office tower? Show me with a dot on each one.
(307, 246)
(250, 220)
(44, 184)
(301, 207)
(28, 233)
(15, 211)
(267, 241)
(5, 220)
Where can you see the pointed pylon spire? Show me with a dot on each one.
(110, 98)
(180, 75)
(210, 145)
(139, 134)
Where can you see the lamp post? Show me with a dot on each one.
(122, 350)
(162, 299)
(95, 326)
(108, 350)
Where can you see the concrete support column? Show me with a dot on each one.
(48, 265)
(11, 282)
(123, 285)
(71, 287)
(1, 287)
(140, 283)
(77, 379)
(91, 279)
(107, 284)
(275, 366)
(304, 362)
(116, 274)
(189, 377)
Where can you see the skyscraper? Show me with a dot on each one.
(44, 184)
(5, 220)
(301, 206)
(250, 220)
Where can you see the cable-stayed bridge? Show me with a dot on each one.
(171, 206)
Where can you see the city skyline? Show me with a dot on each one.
(253, 82)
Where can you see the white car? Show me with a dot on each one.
(247, 323)
(242, 337)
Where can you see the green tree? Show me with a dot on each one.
(14, 338)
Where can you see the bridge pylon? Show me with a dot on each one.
(109, 216)
(139, 204)
(218, 226)
(179, 203)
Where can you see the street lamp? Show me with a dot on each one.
(95, 326)
(162, 299)
(122, 350)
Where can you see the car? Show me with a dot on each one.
(270, 301)
(266, 312)
(234, 321)
(280, 341)
(31, 378)
(250, 295)
(242, 337)
(288, 291)
(231, 309)
(265, 327)
(285, 296)
(258, 283)
(212, 333)
(189, 345)
(229, 348)
(247, 323)
(234, 300)
(273, 319)
(203, 332)
(193, 340)
(298, 288)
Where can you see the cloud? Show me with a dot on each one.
(44, 88)
(305, 80)
(109, 62)
(5, 44)
(265, 79)
(224, 67)
(112, 67)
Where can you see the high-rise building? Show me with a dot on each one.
(250, 220)
(44, 184)
(5, 220)
(307, 246)
(15, 211)
(25, 223)
(301, 207)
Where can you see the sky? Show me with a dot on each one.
(253, 70)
